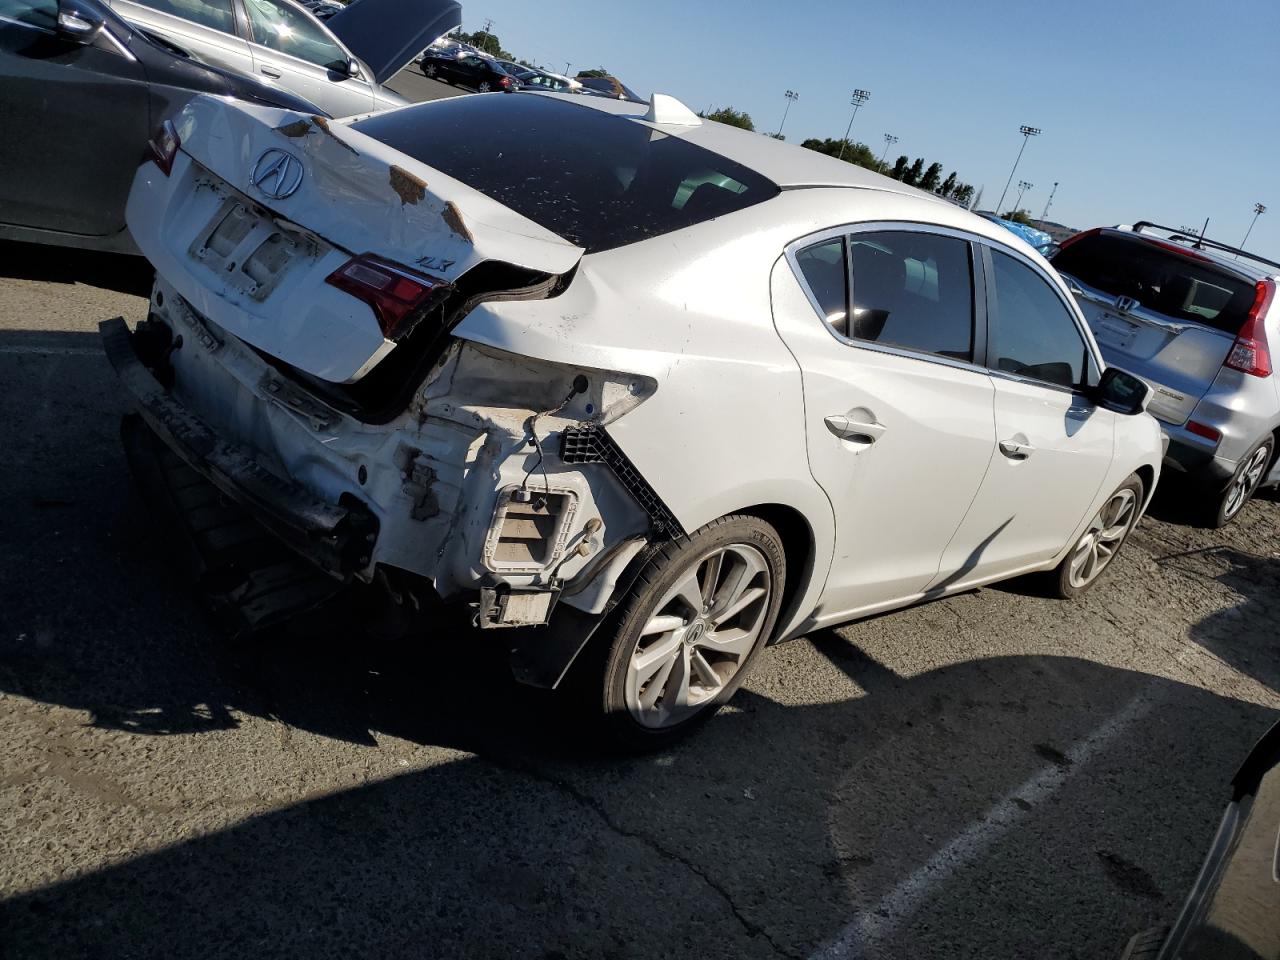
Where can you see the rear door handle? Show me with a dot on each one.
(269, 72)
(1016, 449)
(853, 430)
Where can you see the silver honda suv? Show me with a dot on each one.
(1193, 318)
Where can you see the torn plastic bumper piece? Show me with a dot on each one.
(592, 444)
(339, 539)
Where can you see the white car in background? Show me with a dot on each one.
(339, 64)
(650, 386)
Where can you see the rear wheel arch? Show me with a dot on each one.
(1147, 474)
(800, 547)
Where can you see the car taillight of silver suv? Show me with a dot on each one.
(1194, 318)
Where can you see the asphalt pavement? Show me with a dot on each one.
(995, 775)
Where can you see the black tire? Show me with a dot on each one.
(602, 680)
(1223, 507)
(1061, 582)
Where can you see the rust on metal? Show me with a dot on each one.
(408, 187)
(453, 217)
(299, 128)
(322, 124)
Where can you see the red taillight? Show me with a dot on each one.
(506, 82)
(164, 146)
(392, 292)
(1250, 353)
(1204, 430)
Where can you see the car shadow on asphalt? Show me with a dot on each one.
(110, 271)
(771, 831)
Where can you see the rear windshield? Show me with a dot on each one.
(1169, 283)
(597, 179)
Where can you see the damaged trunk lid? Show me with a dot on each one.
(275, 202)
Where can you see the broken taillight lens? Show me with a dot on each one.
(164, 146)
(1250, 353)
(394, 293)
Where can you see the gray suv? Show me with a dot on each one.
(1193, 318)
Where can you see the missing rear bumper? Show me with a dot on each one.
(337, 538)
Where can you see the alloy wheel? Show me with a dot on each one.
(1102, 540)
(431, 70)
(699, 635)
(484, 86)
(1246, 481)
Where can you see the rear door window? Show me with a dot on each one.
(1031, 332)
(824, 270)
(1177, 285)
(913, 290)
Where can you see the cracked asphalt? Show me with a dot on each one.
(993, 775)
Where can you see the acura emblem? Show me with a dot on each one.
(277, 173)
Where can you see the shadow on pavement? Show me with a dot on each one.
(766, 834)
(110, 271)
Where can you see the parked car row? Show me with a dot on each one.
(460, 63)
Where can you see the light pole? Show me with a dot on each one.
(856, 99)
(1258, 210)
(1023, 187)
(488, 25)
(791, 96)
(889, 141)
(1027, 134)
(566, 68)
(1049, 202)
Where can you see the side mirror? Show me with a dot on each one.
(1121, 392)
(79, 21)
(353, 68)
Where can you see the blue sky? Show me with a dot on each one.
(1164, 110)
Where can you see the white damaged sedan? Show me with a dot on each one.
(655, 390)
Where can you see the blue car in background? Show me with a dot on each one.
(1038, 239)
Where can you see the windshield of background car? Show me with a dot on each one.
(1167, 282)
(597, 179)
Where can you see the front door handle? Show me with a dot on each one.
(855, 431)
(1016, 449)
(269, 72)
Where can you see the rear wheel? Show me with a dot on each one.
(680, 644)
(1244, 484)
(430, 70)
(1101, 541)
(484, 86)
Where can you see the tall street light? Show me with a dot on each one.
(856, 99)
(1258, 210)
(791, 96)
(889, 141)
(1027, 134)
(1023, 187)
(1044, 216)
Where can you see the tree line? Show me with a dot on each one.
(913, 173)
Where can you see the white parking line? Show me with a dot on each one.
(56, 351)
(872, 927)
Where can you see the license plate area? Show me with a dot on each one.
(250, 251)
(1114, 331)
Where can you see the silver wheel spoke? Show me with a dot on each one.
(735, 584)
(737, 642)
(661, 624)
(689, 592)
(711, 577)
(649, 698)
(706, 673)
(745, 599)
(646, 663)
(676, 699)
